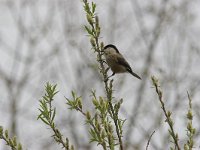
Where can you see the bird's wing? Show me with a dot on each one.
(123, 62)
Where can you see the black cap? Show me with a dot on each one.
(112, 46)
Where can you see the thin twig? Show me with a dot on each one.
(149, 140)
(166, 113)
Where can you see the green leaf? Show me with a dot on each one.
(89, 31)
(93, 7)
(45, 121)
(53, 115)
(73, 94)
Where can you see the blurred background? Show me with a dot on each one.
(44, 41)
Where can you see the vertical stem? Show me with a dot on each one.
(109, 94)
(95, 34)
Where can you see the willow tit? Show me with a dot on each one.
(116, 61)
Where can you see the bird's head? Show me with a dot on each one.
(110, 49)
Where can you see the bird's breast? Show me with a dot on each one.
(114, 65)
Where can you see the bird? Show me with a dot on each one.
(116, 61)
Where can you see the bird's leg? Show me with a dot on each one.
(102, 60)
(110, 76)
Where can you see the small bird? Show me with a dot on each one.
(116, 61)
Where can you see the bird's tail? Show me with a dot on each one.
(135, 75)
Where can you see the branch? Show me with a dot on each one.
(12, 142)
(166, 113)
(94, 30)
(149, 140)
(47, 115)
